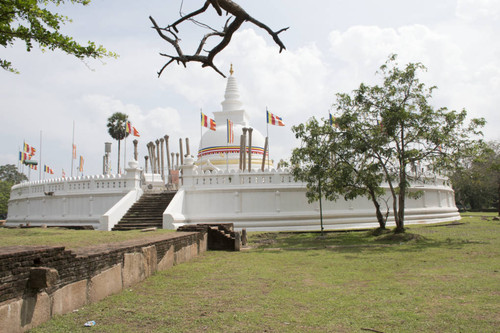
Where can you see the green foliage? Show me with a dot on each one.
(117, 129)
(476, 178)
(8, 177)
(31, 22)
(330, 164)
(9, 173)
(4, 196)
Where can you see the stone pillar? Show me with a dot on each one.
(162, 160)
(168, 152)
(135, 142)
(265, 153)
(158, 167)
(173, 160)
(250, 130)
(177, 155)
(187, 147)
(153, 158)
(146, 164)
(244, 148)
(181, 151)
(241, 151)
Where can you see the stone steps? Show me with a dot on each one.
(147, 212)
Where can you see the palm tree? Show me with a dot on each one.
(117, 129)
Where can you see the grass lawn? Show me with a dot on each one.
(441, 278)
(71, 239)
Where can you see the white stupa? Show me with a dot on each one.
(215, 152)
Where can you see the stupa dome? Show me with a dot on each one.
(215, 152)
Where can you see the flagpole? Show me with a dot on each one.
(267, 135)
(72, 148)
(201, 141)
(40, 171)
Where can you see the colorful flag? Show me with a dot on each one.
(21, 156)
(80, 167)
(74, 151)
(333, 121)
(274, 119)
(128, 127)
(63, 173)
(135, 132)
(48, 170)
(30, 150)
(230, 131)
(207, 122)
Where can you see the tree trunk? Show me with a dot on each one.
(118, 170)
(378, 213)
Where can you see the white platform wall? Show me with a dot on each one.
(272, 200)
(73, 201)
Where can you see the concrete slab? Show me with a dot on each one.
(106, 283)
(69, 298)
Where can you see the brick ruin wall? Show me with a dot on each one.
(37, 282)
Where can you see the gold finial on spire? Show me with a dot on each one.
(231, 70)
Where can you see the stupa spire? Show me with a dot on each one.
(232, 95)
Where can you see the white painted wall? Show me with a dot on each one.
(71, 201)
(272, 200)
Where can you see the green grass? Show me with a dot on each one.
(68, 238)
(441, 278)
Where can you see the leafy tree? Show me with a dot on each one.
(9, 173)
(392, 129)
(476, 179)
(8, 177)
(30, 21)
(329, 164)
(117, 129)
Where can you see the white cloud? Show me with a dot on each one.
(473, 10)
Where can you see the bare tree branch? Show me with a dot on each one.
(238, 13)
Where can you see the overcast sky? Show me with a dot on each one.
(332, 46)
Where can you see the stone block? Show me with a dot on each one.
(69, 298)
(133, 269)
(180, 256)
(150, 263)
(42, 277)
(168, 259)
(194, 250)
(10, 316)
(35, 310)
(106, 283)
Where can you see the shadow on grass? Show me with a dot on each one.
(357, 241)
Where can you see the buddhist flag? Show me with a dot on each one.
(30, 150)
(135, 132)
(274, 119)
(80, 167)
(333, 121)
(63, 174)
(48, 170)
(230, 131)
(128, 127)
(207, 122)
(74, 151)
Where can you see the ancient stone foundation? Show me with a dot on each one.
(38, 282)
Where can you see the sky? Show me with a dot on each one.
(332, 47)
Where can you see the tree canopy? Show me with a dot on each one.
(476, 179)
(117, 130)
(385, 135)
(8, 177)
(33, 23)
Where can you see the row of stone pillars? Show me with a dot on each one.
(243, 148)
(156, 157)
